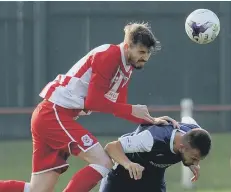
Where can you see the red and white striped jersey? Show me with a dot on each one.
(97, 82)
(104, 67)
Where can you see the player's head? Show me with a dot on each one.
(195, 146)
(140, 43)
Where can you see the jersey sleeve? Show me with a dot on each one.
(151, 138)
(104, 66)
(142, 142)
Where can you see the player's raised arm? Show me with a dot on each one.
(107, 96)
(102, 95)
(112, 67)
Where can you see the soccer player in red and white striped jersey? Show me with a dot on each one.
(98, 82)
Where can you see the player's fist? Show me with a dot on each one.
(141, 112)
(135, 170)
(196, 172)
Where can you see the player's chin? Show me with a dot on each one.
(138, 66)
(186, 164)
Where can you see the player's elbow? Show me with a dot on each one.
(110, 147)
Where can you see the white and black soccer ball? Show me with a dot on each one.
(202, 26)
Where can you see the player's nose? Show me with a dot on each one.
(143, 59)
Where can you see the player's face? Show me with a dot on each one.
(190, 156)
(138, 55)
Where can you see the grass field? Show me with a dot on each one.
(15, 163)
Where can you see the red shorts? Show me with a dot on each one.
(55, 136)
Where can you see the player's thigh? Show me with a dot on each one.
(43, 182)
(60, 133)
(96, 155)
(85, 145)
(80, 142)
(50, 141)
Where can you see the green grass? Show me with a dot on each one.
(15, 163)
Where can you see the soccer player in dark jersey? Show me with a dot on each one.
(142, 156)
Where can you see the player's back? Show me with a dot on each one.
(162, 154)
(70, 90)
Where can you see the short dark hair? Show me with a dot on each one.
(140, 33)
(199, 139)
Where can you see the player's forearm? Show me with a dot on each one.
(96, 101)
(133, 119)
(115, 151)
(101, 105)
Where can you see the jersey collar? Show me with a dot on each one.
(172, 138)
(126, 67)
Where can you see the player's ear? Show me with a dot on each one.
(182, 148)
(126, 46)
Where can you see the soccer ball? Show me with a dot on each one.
(202, 26)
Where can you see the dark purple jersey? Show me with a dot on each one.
(152, 147)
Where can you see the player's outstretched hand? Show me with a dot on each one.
(135, 170)
(196, 172)
(141, 112)
(164, 121)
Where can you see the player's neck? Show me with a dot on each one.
(177, 142)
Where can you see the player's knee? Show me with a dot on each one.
(97, 155)
(103, 160)
(107, 162)
(102, 164)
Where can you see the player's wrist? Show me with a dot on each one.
(126, 164)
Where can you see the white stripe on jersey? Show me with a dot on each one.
(46, 88)
(126, 67)
(72, 94)
(172, 140)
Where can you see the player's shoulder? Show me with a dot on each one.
(159, 132)
(107, 48)
(188, 123)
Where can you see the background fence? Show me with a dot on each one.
(41, 39)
